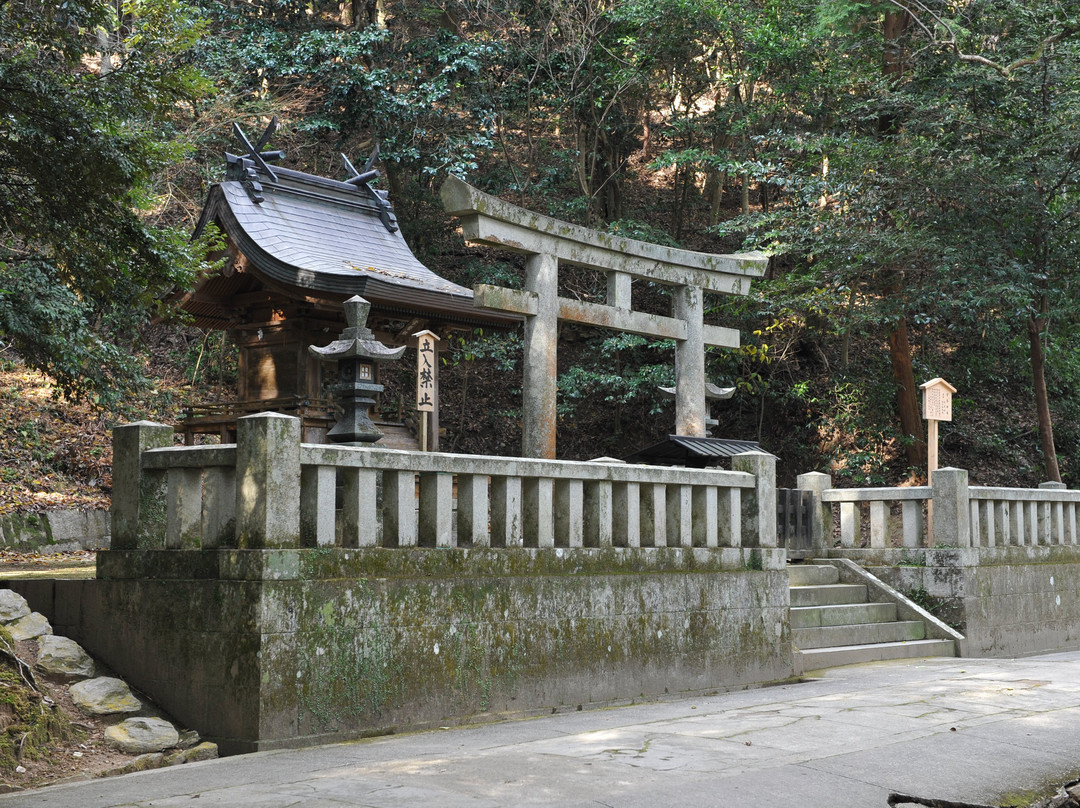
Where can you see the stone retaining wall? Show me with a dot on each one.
(55, 531)
(1007, 601)
(264, 649)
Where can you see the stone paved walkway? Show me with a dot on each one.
(960, 729)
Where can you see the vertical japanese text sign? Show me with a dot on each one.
(425, 371)
(937, 406)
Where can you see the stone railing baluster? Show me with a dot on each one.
(705, 521)
(598, 513)
(653, 515)
(626, 498)
(219, 507)
(358, 506)
(472, 511)
(879, 524)
(435, 528)
(569, 517)
(912, 515)
(679, 516)
(536, 510)
(317, 504)
(183, 522)
(399, 509)
(729, 518)
(506, 528)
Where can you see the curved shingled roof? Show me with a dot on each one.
(325, 238)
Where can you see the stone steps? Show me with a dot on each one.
(842, 614)
(817, 658)
(836, 624)
(827, 594)
(858, 634)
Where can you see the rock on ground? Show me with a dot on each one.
(29, 627)
(204, 751)
(104, 696)
(12, 606)
(138, 735)
(63, 658)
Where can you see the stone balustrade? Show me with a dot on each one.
(272, 491)
(1004, 517)
(963, 515)
(878, 501)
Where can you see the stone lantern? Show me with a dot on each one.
(356, 351)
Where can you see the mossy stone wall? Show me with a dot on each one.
(260, 649)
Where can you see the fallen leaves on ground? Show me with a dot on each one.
(56, 453)
(16, 560)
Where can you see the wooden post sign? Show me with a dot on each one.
(937, 406)
(427, 389)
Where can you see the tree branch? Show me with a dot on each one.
(951, 43)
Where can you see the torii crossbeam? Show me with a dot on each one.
(488, 220)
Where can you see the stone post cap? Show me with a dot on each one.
(948, 471)
(813, 481)
(756, 453)
(267, 415)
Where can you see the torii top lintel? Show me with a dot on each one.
(488, 220)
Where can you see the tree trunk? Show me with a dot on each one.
(1035, 327)
(907, 394)
(907, 398)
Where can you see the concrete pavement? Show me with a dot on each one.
(968, 730)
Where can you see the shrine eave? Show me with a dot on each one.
(308, 238)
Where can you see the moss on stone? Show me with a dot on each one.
(31, 727)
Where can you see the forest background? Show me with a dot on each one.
(912, 169)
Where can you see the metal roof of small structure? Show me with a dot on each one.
(681, 450)
(326, 239)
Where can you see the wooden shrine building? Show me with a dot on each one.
(299, 245)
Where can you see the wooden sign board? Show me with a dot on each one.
(425, 371)
(937, 400)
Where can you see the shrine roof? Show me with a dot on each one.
(683, 450)
(328, 239)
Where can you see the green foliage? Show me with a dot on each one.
(924, 600)
(626, 369)
(414, 96)
(80, 262)
(942, 195)
(502, 350)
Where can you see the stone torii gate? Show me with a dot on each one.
(488, 220)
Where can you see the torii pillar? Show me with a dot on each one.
(488, 220)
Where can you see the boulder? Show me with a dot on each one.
(203, 751)
(63, 658)
(104, 696)
(29, 627)
(136, 736)
(151, 760)
(12, 606)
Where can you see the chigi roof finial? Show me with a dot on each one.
(362, 179)
(255, 159)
